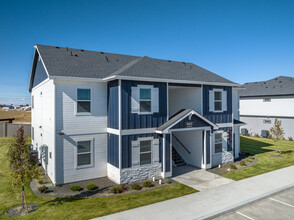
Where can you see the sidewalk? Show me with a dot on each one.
(214, 201)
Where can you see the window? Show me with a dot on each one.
(84, 153)
(266, 100)
(33, 133)
(145, 152)
(145, 99)
(217, 101)
(218, 143)
(32, 101)
(267, 121)
(84, 101)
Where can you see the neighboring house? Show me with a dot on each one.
(8, 107)
(97, 114)
(262, 102)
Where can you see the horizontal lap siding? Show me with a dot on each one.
(112, 104)
(135, 121)
(127, 147)
(222, 117)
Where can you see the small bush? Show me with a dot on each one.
(92, 187)
(290, 138)
(167, 180)
(283, 138)
(40, 181)
(248, 134)
(43, 189)
(136, 186)
(242, 163)
(251, 157)
(147, 184)
(249, 161)
(233, 167)
(257, 135)
(118, 189)
(76, 188)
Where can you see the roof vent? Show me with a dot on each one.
(190, 67)
(82, 50)
(70, 53)
(184, 63)
(169, 61)
(116, 60)
(66, 48)
(280, 81)
(57, 47)
(106, 58)
(76, 55)
(102, 52)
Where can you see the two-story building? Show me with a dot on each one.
(97, 114)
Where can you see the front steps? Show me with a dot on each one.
(177, 159)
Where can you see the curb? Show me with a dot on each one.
(246, 203)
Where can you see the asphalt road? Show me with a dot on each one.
(279, 206)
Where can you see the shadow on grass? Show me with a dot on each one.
(253, 146)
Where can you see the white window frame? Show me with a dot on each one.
(76, 104)
(267, 99)
(33, 102)
(151, 152)
(91, 152)
(267, 121)
(221, 101)
(145, 87)
(218, 132)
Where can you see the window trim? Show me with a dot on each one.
(91, 154)
(221, 101)
(145, 87)
(222, 133)
(33, 101)
(267, 100)
(267, 121)
(151, 152)
(76, 103)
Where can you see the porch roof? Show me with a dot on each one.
(180, 117)
(237, 122)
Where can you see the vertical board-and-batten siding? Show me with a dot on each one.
(219, 117)
(77, 127)
(112, 104)
(136, 121)
(112, 152)
(167, 153)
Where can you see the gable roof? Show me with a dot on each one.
(68, 62)
(281, 85)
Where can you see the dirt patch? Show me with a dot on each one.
(19, 210)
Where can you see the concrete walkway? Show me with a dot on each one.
(212, 202)
(198, 179)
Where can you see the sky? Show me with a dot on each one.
(243, 41)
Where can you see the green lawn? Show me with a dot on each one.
(65, 208)
(263, 148)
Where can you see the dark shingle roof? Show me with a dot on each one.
(237, 122)
(281, 85)
(61, 61)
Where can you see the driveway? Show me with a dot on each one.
(197, 178)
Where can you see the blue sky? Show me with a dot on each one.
(243, 41)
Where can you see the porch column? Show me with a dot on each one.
(204, 150)
(163, 156)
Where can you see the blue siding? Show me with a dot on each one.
(222, 117)
(135, 121)
(207, 147)
(112, 150)
(40, 73)
(112, 104)
(167, 153)
(193, 123)
(229, 141)
(127, 147)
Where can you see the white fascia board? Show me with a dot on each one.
(83, 131)
(40, 84)
(42, 60)
(80, 79)
(169, 80)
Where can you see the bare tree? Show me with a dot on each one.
(23, 166)
(277, 133)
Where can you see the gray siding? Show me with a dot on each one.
(112, 104)
(222, 117)
(112, 150)
(40, 73)
(167, 153)
(135, 121)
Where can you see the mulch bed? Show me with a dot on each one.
(225, 168)
(18, 210)
(104, 185)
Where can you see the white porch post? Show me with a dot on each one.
(204, 149)
(163, 156)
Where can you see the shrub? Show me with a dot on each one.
(43, 189)
(118, 189)
(233, 167)
(242, 163)
(251, 157)
(147, 184)
(167, 180)
(257, 135)
(290, 138)
(76, 188)
(248, 134)
(249, 160)
(91, 187)
(40, 181)
(136, 186)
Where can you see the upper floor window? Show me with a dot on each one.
(145, 100)
(217, 100)
(83, 100)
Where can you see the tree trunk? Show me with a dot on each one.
(25, 200)
(22, 198)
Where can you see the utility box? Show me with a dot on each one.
(264, 133)
(244, 131)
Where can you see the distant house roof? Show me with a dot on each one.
(68, 62)
(281, 85)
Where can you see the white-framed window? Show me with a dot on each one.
(33, 133)
(84, 154)
(218, 101)
(144, 99)
(267, 100)
(267, 121)
(83, 101)
(218, 142)
(145, 152)
(33, 102)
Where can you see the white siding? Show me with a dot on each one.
(80, 127)
(235, 97)
(279, 106)
(237, 141)
(184, 98)
(43, 122)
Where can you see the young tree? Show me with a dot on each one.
(23, 166)
(277, 133)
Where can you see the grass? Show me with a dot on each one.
(74, 208)
(20, 116)
(263, 149)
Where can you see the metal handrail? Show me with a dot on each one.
(181, 144)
